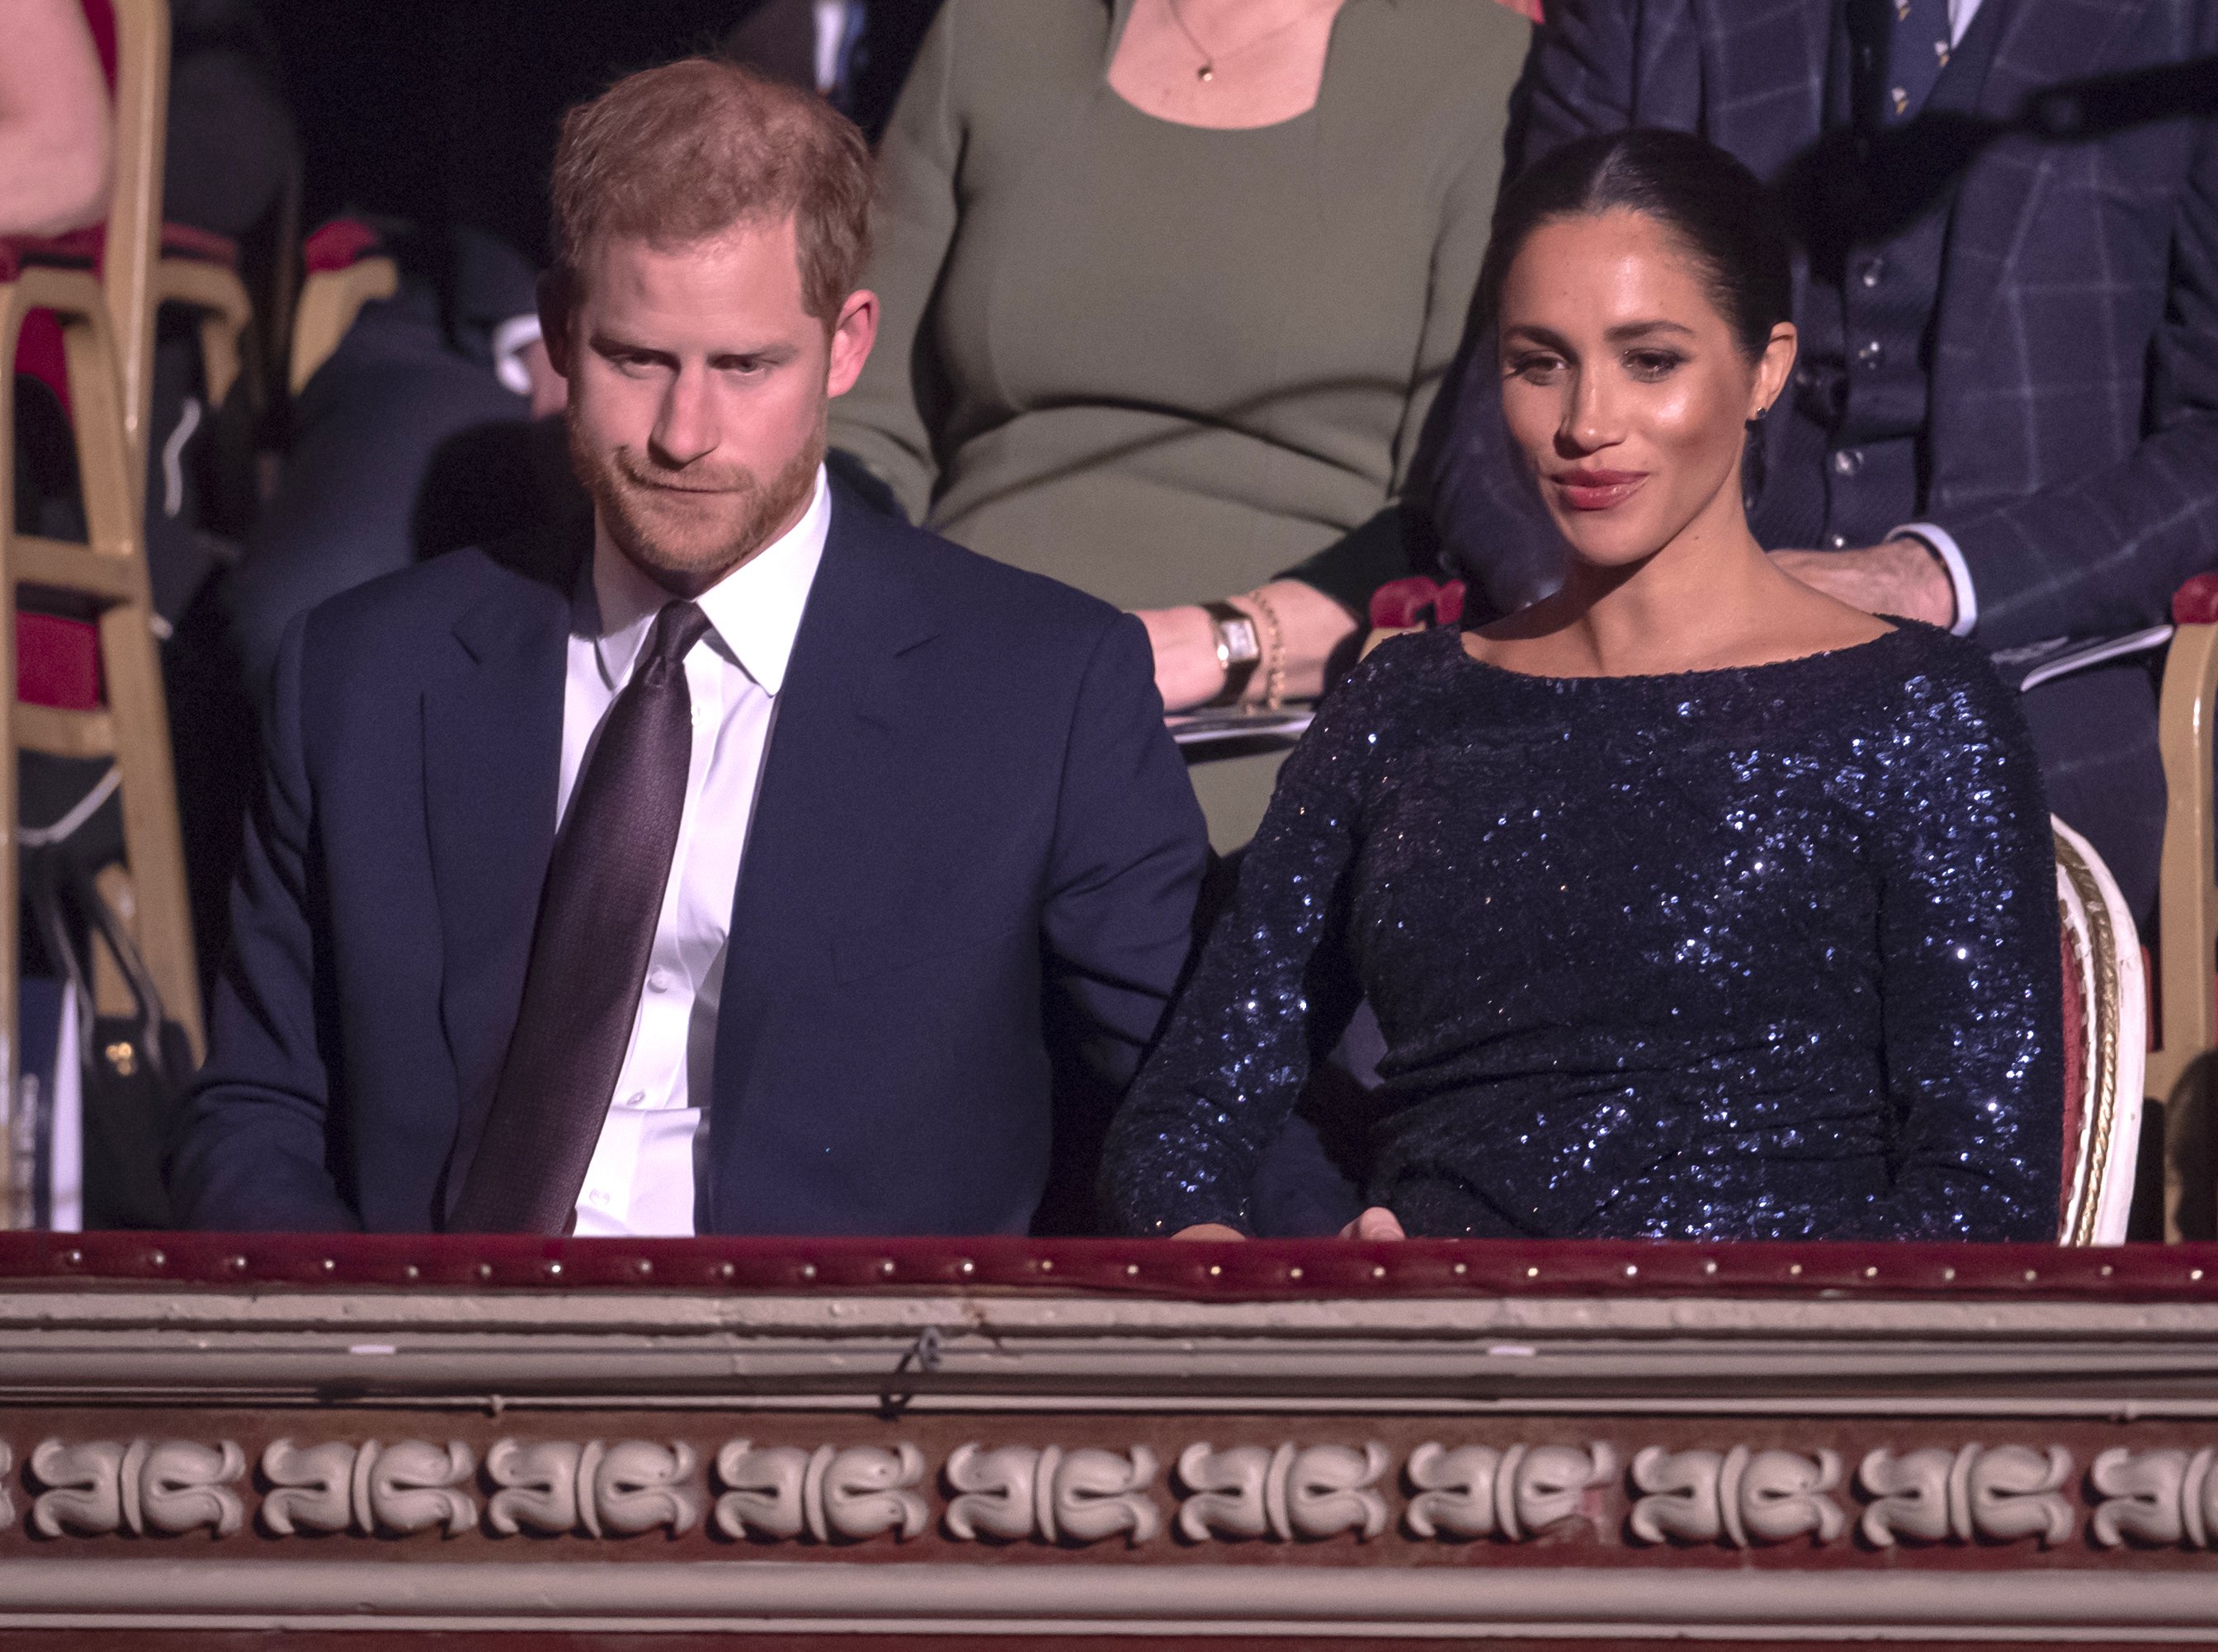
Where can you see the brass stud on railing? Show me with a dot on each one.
(1293, 1273)
(485, 1269)
(1948, 1273)
(726, 1271)
(1631, 1271)
(412, 1271)
(886, 1267)
(808, 1269)
(157, 1259)
(1131, 1269)
(643, 1267)
(330, 1265)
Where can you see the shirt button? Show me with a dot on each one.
(596, 1197)
(1848, 460)
(1873, 273)
(1871, 353)
(637, 1099)
(658, 981)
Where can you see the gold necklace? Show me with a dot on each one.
(1208, 60)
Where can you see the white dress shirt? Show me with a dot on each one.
(642, 1179)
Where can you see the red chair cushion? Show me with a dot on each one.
(82, 248)
(341, 242)
(100, 18)
(1403, 604)
(2196, 603)
(57, 662)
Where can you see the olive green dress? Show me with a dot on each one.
(1164, 363)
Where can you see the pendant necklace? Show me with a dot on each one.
(1210, 61)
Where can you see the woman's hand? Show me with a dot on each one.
(1208, 1230)
(1299, 626)
(1185, 641)
(1377, 1223)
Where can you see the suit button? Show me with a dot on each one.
(1836, 541)
(1871, 353)
(1873, 271)
(1848, 460)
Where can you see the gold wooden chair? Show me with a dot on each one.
(2180, 1060)
(2106, 1039)
(103, 288)
(345, 272)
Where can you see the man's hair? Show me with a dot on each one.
(688, 150)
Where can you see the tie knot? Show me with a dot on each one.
(676, 628)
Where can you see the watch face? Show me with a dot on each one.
(1239, 636)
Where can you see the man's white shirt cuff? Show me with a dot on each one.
(1943, 544)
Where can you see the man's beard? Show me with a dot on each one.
(698, 536)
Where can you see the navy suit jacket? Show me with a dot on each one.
(969, 806)
(2073, 430)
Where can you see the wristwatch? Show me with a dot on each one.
(1238, 650)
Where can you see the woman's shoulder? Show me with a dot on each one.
(1924, 662)
(997, 51)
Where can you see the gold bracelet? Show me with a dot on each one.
(1274, 651)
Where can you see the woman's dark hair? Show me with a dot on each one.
(1714, 205)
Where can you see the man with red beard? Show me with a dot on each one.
(720, 868)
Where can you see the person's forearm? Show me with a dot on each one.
(1298, 625)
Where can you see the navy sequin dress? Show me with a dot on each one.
(1761, 953)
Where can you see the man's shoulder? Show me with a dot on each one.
(413, 606)
(961, 591)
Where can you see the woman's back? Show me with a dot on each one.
(1714, 954)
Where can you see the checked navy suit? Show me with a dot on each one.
(2070, 442)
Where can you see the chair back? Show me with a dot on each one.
(2105, 1045)
(134, 36)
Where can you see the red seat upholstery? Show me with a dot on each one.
(337, 245)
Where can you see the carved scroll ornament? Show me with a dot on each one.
(167, 1487)
(1476, 1491)
(2155, 1497)
(1252, 1491)
(782, 1491)
(1076, 1496)
(2000, 1493)
(1740, 1496)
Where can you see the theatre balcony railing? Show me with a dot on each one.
(859, 1443)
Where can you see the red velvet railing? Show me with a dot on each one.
(1230, 1272)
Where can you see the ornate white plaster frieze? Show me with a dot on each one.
(782, 1491)
(2159, 1497)
(2001, 1493)
(139, 1486)
(1077, 1496)
(1253, 1491)
(558, 1486)
(412, 1486)
(1740, 1496)
(1476, 1491)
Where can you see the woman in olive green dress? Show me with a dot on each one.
(1168, 288)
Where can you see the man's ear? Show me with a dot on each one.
(555, 294)
(852, 335)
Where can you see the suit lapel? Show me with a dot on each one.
(493, 745)
(2044, 44)
(816, 860)
(1763, 77)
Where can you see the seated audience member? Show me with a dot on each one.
(709, 868)
(1170, 287)
(2005, 417)
(57, 134)
(1693, 903)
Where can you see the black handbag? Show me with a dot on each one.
(134, 1066)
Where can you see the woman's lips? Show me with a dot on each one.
(1598, 490)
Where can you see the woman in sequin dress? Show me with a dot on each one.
(1692, 903)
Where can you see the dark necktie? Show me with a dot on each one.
(1914, 47)
(589, 954)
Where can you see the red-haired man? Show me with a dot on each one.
(711, 868)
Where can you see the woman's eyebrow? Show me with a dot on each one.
(1626, 331)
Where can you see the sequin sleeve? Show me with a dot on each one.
(1269, 984)
(1971, 982)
